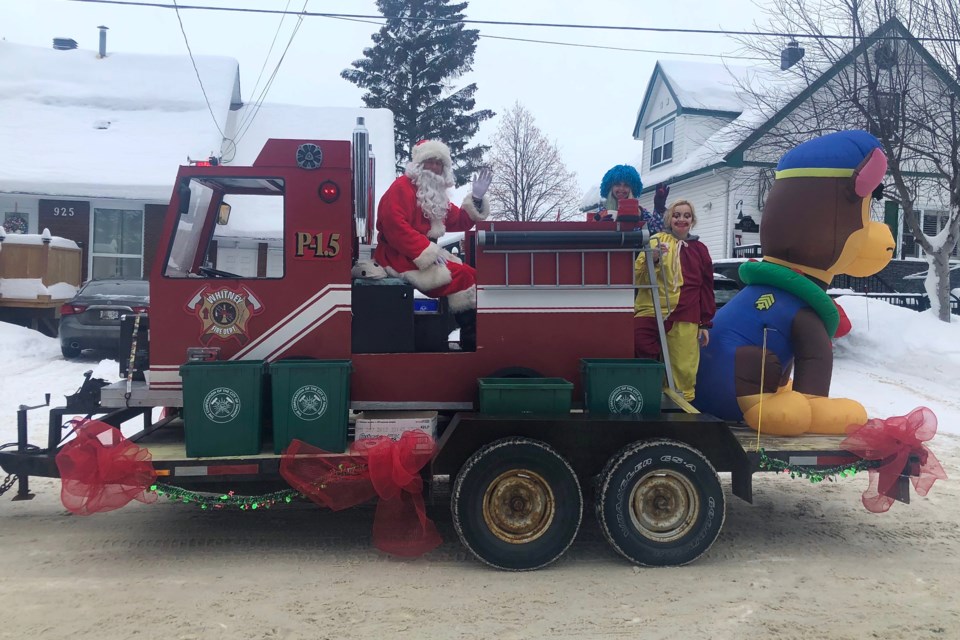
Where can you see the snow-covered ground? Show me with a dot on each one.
(893, 361)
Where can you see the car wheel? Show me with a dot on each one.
(70, 352)
(660, 503)
(517, 504)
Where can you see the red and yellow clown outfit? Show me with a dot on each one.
(406, 234)
(685, 278)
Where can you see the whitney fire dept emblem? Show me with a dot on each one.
(309, 402)
(625, 399)
(221, 405)
(224, 312)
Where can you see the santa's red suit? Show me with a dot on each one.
(404, 246)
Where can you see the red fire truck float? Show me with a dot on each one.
(554, 300)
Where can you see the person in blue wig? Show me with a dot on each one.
(622, 181)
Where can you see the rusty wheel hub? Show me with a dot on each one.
(518, 506)
(664, 506)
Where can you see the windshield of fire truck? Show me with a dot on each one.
(245, 244)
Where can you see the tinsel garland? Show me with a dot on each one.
(267, 500)
(814, 475)
(224, 500)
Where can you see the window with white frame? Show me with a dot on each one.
(662, 144)
(932, 222)
(117, 243)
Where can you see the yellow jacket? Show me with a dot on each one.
(684, 277)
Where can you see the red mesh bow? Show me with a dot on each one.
(893, 441)
(374, 466)
(101, 470)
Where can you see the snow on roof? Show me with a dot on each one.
(706, 85)
(73, 124)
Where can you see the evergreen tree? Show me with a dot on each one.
(409, 70)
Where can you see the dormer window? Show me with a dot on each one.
(662, 147)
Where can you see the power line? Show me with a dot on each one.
(269, 84)
(582, 45)
(552, 25)
(197, 71)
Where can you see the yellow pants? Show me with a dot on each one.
(684, 349)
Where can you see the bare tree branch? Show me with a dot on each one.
(531, 182)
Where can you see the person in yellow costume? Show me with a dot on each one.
(685, 275)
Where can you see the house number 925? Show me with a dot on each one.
(63, 212)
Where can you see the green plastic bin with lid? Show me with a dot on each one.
(622, 386)
(223, 407)
(524, 395)
(311, 402)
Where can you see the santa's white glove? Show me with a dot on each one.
(482, 182)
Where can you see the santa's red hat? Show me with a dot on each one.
(431, 149)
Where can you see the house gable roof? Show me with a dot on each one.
(699, 88)
(893, 26)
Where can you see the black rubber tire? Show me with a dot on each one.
(523, 476)
(70, 352)
(660, 503)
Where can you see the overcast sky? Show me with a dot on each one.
(585, 99)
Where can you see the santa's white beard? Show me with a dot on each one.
(431, 192)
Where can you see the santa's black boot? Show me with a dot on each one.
(468, 329)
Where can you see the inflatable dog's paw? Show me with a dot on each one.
(832, 416)
(785, 413)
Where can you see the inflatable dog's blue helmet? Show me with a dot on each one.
(835, 155)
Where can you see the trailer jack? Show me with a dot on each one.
(23, 481)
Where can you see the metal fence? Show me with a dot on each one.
(914, 301)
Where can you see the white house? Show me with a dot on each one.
(708, 139)
(91, 143)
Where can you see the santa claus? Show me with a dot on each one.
(413, 213)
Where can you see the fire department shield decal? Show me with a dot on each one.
(221, 405)
(224, 312)
(309, 402)
(625, 399)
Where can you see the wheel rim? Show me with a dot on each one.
(518, 506)
(664, 506)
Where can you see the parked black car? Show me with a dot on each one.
(91, 320)
(724, 289)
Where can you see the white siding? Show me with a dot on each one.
(708, 193)
(696, 131)
(661, 103)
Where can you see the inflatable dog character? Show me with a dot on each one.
(816, 224)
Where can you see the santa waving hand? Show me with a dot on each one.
(413, 213)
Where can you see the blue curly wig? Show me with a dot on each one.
(621, 173)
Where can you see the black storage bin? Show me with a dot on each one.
(382, 317)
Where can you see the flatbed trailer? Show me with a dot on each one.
(652, 481)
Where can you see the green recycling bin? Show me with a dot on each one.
(311, 401)
(524, 395)
(622, 386)
(222, 407)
